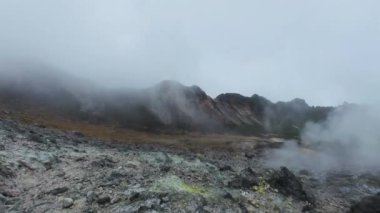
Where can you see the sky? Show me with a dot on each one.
(324, 51)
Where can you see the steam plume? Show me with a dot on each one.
(348, 139)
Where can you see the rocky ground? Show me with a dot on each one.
(45, 170)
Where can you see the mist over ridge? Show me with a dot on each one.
(167, 105)
(322, 51)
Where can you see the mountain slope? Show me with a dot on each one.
(167, 106)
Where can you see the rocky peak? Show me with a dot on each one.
(233, 98)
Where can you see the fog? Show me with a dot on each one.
(348, 140)
(323, 51)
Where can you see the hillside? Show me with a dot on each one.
(168, 106)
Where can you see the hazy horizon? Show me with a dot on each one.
(322, 51)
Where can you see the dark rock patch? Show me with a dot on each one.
(105, 162)
(80, 159)
(134, 196)
(370, 204)
(6, 172)
(165, 169)
(225, 168)
(36, 137)
(116, 175)
(242, 182)
(104, 199)
(289, 185)
(247, 179)
(228, 196)
(58, 190)
(78, 134)
(250, 155)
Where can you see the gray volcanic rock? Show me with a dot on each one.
(67, 203)
(98, 176)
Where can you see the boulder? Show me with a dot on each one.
(67, 203)
(289, 185)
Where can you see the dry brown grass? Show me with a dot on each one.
(194, 141)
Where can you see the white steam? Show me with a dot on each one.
(348, 139)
